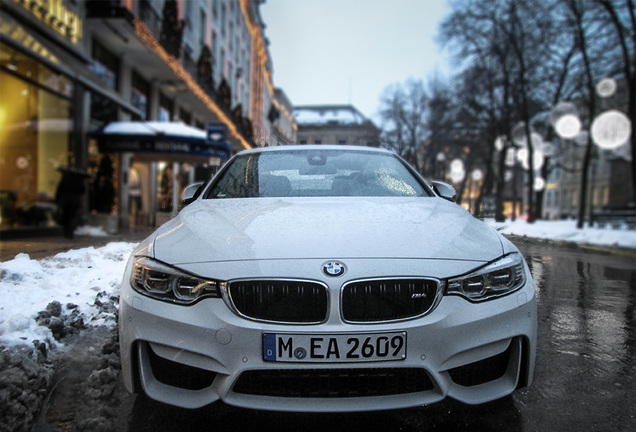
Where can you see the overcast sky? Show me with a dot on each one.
(349, 51)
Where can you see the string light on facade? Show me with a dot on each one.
(146, 36)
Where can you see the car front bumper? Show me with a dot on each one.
(191, 356)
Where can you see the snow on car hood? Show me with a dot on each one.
(327, 228)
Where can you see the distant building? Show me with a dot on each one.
(334, 124)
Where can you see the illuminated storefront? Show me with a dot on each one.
(51, 91)
(36, 108)
(35, 136)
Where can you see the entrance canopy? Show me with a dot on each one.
(158, 137)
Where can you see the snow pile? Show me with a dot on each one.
(566, 231)
(42, 302)
(78, 279)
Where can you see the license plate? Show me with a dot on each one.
(323, 348)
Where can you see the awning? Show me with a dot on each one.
(158, 137)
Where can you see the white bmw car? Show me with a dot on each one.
(325, 278)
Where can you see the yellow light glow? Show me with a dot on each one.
(57, 16)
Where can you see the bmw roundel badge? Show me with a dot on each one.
(333, 268)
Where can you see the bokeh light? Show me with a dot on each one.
(611, 129)
(568, 126)
(539, 183)
(564, 118)
(458, 172)
(523, 156)
(500, 143)
(606, 87)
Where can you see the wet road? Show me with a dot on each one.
(585, 379)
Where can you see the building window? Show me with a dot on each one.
(139, 92)
(165, 109)
(214, 42)
(105, 65)
(222, 64)
(203, 27)
(342, 142)
(317, 142)
(223, 19)
(188, 14)
(185, 117)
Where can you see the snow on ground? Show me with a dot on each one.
(566, 231)
(75, 279)
(79, 277)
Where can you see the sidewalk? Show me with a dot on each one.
(42, 247)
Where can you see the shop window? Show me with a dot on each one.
(32, 71)
(35, 134)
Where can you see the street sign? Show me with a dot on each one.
(216, 133)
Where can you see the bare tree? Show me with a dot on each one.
(622, 14)
(403, 111)
(481, 34)
(442, 107)
(596, 51)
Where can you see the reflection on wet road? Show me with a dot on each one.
(586, 361)
(585, 377)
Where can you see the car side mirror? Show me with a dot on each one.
(444, 190)
(191, 192)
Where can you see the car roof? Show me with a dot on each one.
(314, 147)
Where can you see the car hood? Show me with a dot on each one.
(325, 228)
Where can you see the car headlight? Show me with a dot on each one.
(163, 282)
(498, 278)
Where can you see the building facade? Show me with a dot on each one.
(334, 124)
(68, 68)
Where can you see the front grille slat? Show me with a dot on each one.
(388, 300)
(303, 302)
(333, 383)
(280, 300)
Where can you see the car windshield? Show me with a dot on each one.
(316, 173)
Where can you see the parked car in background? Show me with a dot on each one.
(325, 278)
